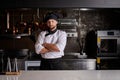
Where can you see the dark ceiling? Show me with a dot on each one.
(60, 3)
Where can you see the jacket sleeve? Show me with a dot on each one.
(61, 42)
(39, 42)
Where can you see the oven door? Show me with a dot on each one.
(109, 46)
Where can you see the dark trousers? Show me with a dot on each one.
(51, 64)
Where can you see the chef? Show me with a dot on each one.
(51, 44)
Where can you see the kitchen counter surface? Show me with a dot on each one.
(65, 75)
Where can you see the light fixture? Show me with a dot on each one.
(85, 9)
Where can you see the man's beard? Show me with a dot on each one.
(53, 28)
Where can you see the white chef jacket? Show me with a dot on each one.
(59, 38)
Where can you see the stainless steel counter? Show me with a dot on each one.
(79, 64)
(68, 64)
(65, 75)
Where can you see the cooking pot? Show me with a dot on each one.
(16, 53)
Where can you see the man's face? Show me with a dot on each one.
(52, 24)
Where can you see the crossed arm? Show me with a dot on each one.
(49, 47)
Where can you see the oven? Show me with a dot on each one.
(108, 53)
(108, 43)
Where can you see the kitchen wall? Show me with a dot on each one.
(89, 21)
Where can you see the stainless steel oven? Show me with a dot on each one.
(108, 42)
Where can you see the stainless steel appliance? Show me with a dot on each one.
(108, 42)
(70, 27)
(108, 56)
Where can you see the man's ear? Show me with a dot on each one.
(57, 22)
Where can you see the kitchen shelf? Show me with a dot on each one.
(14, 35)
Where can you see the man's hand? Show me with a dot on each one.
(44, 50)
